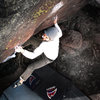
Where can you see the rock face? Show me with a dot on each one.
(74, 40)
(80, 61)
(20, 19)
(95, 3)
(98, 1)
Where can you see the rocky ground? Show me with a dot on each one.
(79, 57)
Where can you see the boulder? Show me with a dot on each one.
(20, 19)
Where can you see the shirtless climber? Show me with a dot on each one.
(49, 49)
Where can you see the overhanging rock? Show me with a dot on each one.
(20, 19)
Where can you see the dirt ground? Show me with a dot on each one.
(79, 57)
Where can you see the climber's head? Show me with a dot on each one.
(50, 34)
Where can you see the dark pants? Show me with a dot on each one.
(42, 61)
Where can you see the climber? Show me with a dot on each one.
(49, 49)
